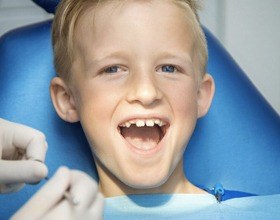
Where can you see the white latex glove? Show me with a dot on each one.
(22, 156)
(50, 203)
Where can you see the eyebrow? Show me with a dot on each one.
(113, 55)
(175, 55)
(119, 54)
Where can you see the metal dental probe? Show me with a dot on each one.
(66, 194)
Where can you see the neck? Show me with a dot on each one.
(111, 186)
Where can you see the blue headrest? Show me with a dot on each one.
(236, 144)
(25, 74)
(48, 5)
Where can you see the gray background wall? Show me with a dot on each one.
(249, 29)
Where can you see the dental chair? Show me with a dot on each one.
(237, 144)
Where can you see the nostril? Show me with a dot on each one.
(145, 92)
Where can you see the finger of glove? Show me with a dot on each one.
(83, 189)
(26, 138)
(63, 210)
(22, 171)
(47, 197)
(97, 207)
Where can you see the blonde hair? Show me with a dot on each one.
(68, 13)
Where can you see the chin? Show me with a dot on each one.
(145, 182)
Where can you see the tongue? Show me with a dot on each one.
(144, 138)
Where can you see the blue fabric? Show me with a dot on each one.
(230, 194)
(236, 144)
(183, 206)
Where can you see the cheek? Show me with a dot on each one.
(184, 107)
(97, 104)
(95, 101)
(183, 99)
(183, 102)
(93, 112)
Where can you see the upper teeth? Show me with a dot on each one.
(143, 122)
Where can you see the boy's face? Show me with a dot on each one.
(135, 66)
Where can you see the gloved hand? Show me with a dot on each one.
(50, 202)
(22, 156)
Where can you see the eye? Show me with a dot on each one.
(112, 69)
(168, 69)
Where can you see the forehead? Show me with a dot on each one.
(133, 20)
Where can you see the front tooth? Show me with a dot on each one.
(160, 123)
(150, 123)
(127, 124)
(157, 121)
(140, 123)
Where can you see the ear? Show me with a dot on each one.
(63, 100)
(205, 94)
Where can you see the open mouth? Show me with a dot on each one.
(143, 134)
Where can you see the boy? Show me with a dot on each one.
(133, 73)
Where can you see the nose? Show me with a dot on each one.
(144, 89)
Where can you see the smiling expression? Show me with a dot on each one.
(135, 88)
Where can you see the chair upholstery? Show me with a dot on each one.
(48, 5)
(237, 144)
